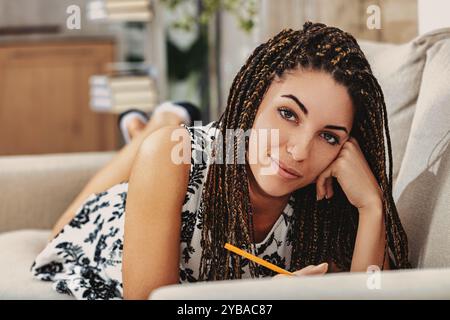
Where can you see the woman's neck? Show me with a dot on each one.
(264, 204)
(266, 208)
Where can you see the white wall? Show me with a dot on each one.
(433, 14)
(46, 12)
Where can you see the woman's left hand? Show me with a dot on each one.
(354, 175)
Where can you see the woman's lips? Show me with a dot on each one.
(282, 172)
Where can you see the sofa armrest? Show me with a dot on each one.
(35, 190)
(404, 284)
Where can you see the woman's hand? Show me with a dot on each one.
(307, 271)
(354, 175)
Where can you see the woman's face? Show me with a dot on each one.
(313, 116)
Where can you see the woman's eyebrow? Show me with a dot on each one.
(336, 128)
(305, 111)
(301, 105)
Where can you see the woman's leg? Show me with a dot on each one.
(119, 168)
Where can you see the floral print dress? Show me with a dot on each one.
(85, 259)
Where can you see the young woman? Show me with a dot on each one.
(326, 205)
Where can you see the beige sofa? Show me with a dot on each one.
(415, 77)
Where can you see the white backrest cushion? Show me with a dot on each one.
(422, 191)
(398, 69)
(415, 78)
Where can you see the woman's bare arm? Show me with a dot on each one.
(369, 244)
(370, 240)
(156, 191)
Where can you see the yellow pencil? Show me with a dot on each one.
(256, 259)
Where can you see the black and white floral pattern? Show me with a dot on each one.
(85, 259)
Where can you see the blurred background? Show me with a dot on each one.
(69, 67)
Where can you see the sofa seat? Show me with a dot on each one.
(18, 250)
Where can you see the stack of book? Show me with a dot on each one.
(118, 93)
(119, 10)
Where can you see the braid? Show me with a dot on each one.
(322, 229)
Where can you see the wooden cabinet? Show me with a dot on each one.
(44, 97)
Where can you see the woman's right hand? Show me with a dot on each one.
(308, 271)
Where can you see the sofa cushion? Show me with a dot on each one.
(415, 78)
(35, 190)
(18, 250)
(423, 183)
(409, 284)
(398, 69)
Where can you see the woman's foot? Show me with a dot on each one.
(133, 121)
(135, 126)
(186, 112)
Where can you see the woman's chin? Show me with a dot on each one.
(271, 186)
(278, 193)
(275, 187)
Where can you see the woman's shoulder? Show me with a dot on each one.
(189, 146)
(168, 148)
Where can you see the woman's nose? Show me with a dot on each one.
(300, 149)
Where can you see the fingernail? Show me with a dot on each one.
(326, 196)
(321, 265)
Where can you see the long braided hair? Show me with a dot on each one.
(322, 230)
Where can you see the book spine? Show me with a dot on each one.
(125, 97)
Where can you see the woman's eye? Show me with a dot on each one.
(331, 139)
(288, 114)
